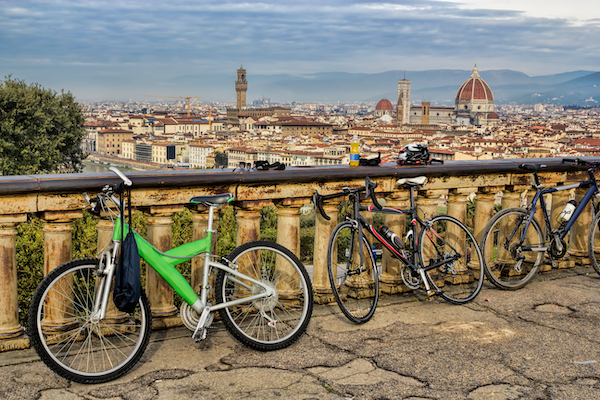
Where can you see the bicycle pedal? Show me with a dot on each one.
(199, 335)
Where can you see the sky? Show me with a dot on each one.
(117, 50)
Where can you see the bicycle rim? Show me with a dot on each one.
(71, 341)
(273, 322)
(510, 264)
(355, 286)
(449, 245)
(594, 243)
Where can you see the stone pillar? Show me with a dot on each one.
(323, 229)
(57, 251)
(457, 203)
(391, 278)
(427, 203)
(484, 208)
(160, 293)
(248, 221)
(288, 235)
(512, 196)
(11, 332)
(288, 224)
(199, 226)
(105, 228)
(580, 230)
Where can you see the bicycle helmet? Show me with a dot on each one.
(414, 154)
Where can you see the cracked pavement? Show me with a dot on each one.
(540, 342)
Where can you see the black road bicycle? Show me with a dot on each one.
(439, 253)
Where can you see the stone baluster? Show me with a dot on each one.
(457, 208)
(57, 251)
(512, 196)
(199, 226)
(248, 220)
(288, 224)
(427, 203)
(160, 293)
(457, 203)
(391, 278)
(579, 232)
(323, 230)
(484, 208)
(288, 235)
(11, 332)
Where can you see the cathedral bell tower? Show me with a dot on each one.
(241, 85)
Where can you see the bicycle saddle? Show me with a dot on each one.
(212, 200)
(532, 167)
(416, 181)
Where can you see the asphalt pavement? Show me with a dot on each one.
(540, 342)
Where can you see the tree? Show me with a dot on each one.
(40, 130)
(221, 158)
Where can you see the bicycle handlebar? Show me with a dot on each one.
(121, 175)
(369, 190)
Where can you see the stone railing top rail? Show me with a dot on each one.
(62, 192)
(11, 185)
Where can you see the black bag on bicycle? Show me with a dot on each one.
(128, 284)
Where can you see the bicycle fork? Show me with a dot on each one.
(106, 271)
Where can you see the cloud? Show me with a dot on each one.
(153, 40)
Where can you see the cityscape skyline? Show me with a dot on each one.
(101, 50)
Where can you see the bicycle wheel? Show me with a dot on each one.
(269, 323)
(71, 340)
(594, 243)
(507, 263)
(448, 243)
(355, 286)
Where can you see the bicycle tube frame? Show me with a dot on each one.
(414, 263)
(165, 265)
(582, 204)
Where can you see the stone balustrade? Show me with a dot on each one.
(57, 200)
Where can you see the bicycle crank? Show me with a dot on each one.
(204, 322)
(558, 247)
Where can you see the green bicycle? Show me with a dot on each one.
(262, 292)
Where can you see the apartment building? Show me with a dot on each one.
(110, 140)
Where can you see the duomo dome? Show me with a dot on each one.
(474, 103)
(384, 107)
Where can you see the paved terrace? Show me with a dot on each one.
(537, 343)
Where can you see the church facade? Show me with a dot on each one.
(474, 105)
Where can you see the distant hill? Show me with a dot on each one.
(437, 86)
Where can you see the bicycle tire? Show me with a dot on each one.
(355, 293)
(508, 268)
(67, 337)
(594, 243)
(458, 281)
(289, 310)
